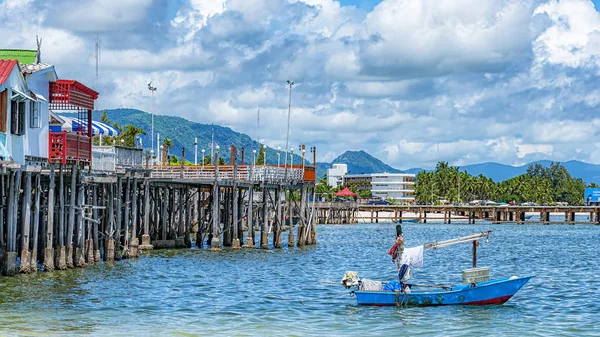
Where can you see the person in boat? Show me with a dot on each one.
(396, 252)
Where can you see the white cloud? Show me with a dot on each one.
(503, 80)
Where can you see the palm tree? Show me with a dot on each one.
(167, 143)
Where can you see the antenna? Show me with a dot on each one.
(258, 126)
(97, 54)
(38, 54)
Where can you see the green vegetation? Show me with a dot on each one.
(540, 184)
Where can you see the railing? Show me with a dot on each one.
(111, 158)
(262, 173)
(69, 146)
(128, 156)
(103, 161)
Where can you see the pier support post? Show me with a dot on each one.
(235, 244)
(49, 250)
(9, 259)
(61, 252)
(36, 223)
(291, 219)
(134, 243)
(80, 249)
(146, 236)
(302, 221)
(250, 238)
(110, 243)
(25, 223)
(71, 221)
(264, 235)
(278, 217)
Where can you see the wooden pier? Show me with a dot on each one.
(351, 212)
(64, 216)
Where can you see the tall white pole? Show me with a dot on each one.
(195, 150)
(158, 151)
(287, 138)
(152, 90)
(212, 146)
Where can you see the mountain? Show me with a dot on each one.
(590, 173)
(358, 162)
(182, 132)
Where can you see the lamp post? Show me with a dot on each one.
(287, 138)
(278, 155)
(303, 151)
(253, 157)
(217, 148)
(152, 156)
(152, 90)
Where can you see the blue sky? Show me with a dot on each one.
(510, 81)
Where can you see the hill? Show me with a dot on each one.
(358, 162)
(183, 131)
(590, 173)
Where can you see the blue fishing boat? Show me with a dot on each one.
(482, 293)
(476, 289)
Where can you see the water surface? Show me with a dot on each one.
(281, 292)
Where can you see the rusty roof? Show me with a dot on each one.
(6, 67)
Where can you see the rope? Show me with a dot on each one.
(404, 298)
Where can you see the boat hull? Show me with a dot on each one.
(484, 293)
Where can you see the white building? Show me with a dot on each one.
(335, 175)
(396, 186)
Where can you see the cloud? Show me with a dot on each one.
(504, 80)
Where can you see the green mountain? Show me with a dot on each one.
(183, 131)
(358, 162)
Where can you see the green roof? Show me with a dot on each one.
(23, 56)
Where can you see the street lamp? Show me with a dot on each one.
(203, 150)
(278, 155)
(287, 138)
(152, 90)
(152, 156)
(253, 157)
(217, 148)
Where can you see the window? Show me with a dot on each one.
(34, 117)
(17, 116)
(3, 110)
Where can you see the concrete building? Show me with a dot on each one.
(335, 175)
(396, 186)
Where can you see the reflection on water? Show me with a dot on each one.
(277, 292)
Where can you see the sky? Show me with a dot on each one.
(409, 81)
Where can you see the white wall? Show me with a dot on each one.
(335, 174)
(37, 138)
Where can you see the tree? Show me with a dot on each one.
(167, 143)
(260, 160)
(129, 135)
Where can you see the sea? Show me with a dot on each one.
(296, 291)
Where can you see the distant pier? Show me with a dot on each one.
(351, 212)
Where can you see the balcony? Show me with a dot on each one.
(69, 148)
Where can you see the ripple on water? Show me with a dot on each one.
(278, 292)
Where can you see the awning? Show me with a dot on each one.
(19, 94)
(98, 128)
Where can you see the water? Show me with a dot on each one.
(279, 293)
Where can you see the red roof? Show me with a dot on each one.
(345, 193)
(6, 67)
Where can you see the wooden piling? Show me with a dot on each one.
(25, 225)
(36, 222)
(264, 235)
(49, 251)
